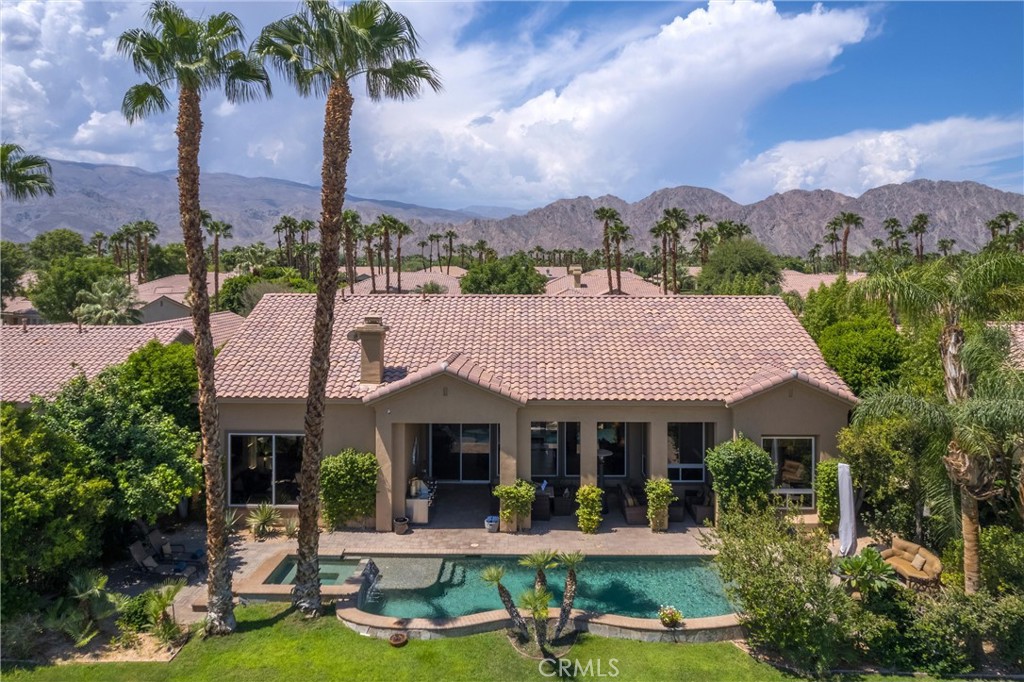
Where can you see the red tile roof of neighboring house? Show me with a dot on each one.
(41, 358)
(174, 287)
(410, 282)
(223, 325)
(802, 282)
(698, 348)
(595, 283)
(1016, 330)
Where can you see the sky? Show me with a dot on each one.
(550, 100)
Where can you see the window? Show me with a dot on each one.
(794, 466)
(569, 433)
(263, 468)
(687, 443)
(611, 442)
(462, 452)
(544, 449)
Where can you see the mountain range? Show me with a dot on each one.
(94, 198)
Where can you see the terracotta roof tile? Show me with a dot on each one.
(536, 347)
(39, 360)
(174, 287)
(223, 325)
(595, 283)
(410, 282)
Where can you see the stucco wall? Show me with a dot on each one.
(792, 409)
(162, 309)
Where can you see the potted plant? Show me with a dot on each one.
(588, 500)
(659, 497)
(516, 504)
(670, 617)
(401, 525)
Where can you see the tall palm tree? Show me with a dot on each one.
(321, 50)
(451, 236)
(918, 228)
(368, 233)
(894, 229)
(619, 234)
(305, 227)
(196, 56)
(945, 246)
(481, 247)
(663, 230)
(702, 242)
(218, 230)
(97, 242)
(608, 216)
(955, 293)
(571, 561)
(435, 245)
(492, 575)
(287, 226)
(351, 224)
(400, 230)
(814, 257)
(680, 222)
(846, 221)
(423, 243)
(145, 231)
(22, 175)
(110, 301)
(832, 239)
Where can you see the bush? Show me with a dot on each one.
(1001, 553)
(867, 573)
(742, 473)
(783, 579)
(134, 616)
(516, 501)
(21, 636)
(948, 633)
(659, 497)
(1006, 629)
(826, 489)
(866, 352)
(263, 520)
(348, 486)
(588, 500)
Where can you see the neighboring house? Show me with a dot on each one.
(485, 389)
(412, 282)
(552, 271)
(39, 360)
(803, 283)
(166, 298)
(223, 325)
(1016, 331)
(595, 283)
(18, 310)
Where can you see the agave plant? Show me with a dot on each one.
(540, 560)
(291, 528)
(867, 573)
(263, 520)
(571, 561)
(493, 575)
(231, 519)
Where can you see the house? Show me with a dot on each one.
(39, 360)
(595, 283)
(804, 282)
(478, 390)
(412, 282)
(223, 325)
(164, 299)
(18, 311)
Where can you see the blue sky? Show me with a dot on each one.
(551, 100)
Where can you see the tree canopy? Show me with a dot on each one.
(510, 275)
(742, 260)
(55, 295)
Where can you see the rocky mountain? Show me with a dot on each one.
(96, 197)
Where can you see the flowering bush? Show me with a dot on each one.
(670, 616)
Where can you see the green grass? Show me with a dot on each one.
(273, 643)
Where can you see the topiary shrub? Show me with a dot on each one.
(826, 490)
(659, 497)
(348, 486)
(588, 499)
(742, 473)
(516, 502)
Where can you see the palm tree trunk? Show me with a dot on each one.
(398, 261)
(618, 267)
(369, 262)
(220, 618)
(957, 379)
(846, 236)
(675, 267)
(664, 265)
(608, 257)
(216, 271)
(971, 522)
(387, 260)
(337, 147)
(568, 599)
(350, 260)
(518, 622)
(451, 252)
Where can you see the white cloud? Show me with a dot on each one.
(954, 148)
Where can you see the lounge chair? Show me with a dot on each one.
(147, 563)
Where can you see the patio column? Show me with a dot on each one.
(657, 444)
(509, 466)
(384, 449)
(588, 452)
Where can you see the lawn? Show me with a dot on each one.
(273, 643)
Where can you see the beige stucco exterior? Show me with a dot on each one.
(391, 425)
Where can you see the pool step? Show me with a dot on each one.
(459, 577)
(447, 569)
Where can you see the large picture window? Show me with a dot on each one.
(463, 452)
(687, 444)
(554, 449)
(263, 468)
(794, 466)
(611, 439)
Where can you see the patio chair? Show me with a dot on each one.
(147, 563)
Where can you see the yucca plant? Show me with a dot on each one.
(231, 519)
(263, 521)
(571, 561)
(493, 575)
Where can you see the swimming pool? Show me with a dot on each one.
(333, 571)
(627, 586)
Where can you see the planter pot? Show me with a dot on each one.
(659, 522)
(401, 525)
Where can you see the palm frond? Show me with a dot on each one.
(142, 100)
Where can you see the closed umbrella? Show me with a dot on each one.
(847, 513)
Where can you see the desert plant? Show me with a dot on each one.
(263, 520)
(742, 473)
(493, 576)
(659, 497)
(867, 573)
(571, 561)
(588, 501)
(231, 520)
(291, 528)
(160, 612)
(540, 560)
(826, 489)
(516, 501)
(538, 601)
(348, 486)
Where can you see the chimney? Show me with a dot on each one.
(370, 335)
(577, 274)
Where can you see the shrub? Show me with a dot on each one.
(670, 616)
(1001, 553)
(516, 501)
(133, 614)
(263, 520)
(659, 497)
(826, 489)
(948, 633)
(1006, 629)
(783, 579)
(21, 636)
(742, 473)
(588, 500)
(348, 486)
(867, 573)
(291, 529)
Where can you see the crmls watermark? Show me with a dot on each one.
(566, 667)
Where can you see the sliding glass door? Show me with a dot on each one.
(462, 452)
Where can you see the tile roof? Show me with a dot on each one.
(39, 360)
(19, 305)
(595, 283)
(1016, 330)
(457, 365)
(223, 325)
(700, 348)
(175, 287)
(552, 271)
(767, 379)
(803, 282)
(410, 282)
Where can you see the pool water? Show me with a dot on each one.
(628, 586)
(333, 571)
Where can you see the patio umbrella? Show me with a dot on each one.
(847, 513)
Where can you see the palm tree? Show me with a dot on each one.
(702, 242)
(368, 233)
(22, 175)
(111, 300)
(400, 230)
(894, 229)
(918, 228)
(481, 247)
(351, 224)
(435, 243)
(254, 258)
(305, 227)
(619, 233)
(492, 575)
(144, 231)
(814, 257)
(1004, 221)
(97, 241)
(608, 216)
(540, 560)
(219, 230)
(287, 226)
(832, 239)
(955, 293)
(571, 561)
(451, 236)
(663, 229)
(846, 221)
(945, 246)
(321, 49)
(386, 224)
(680, 221)
(196, 56)
(538, 601)
(423, 243)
